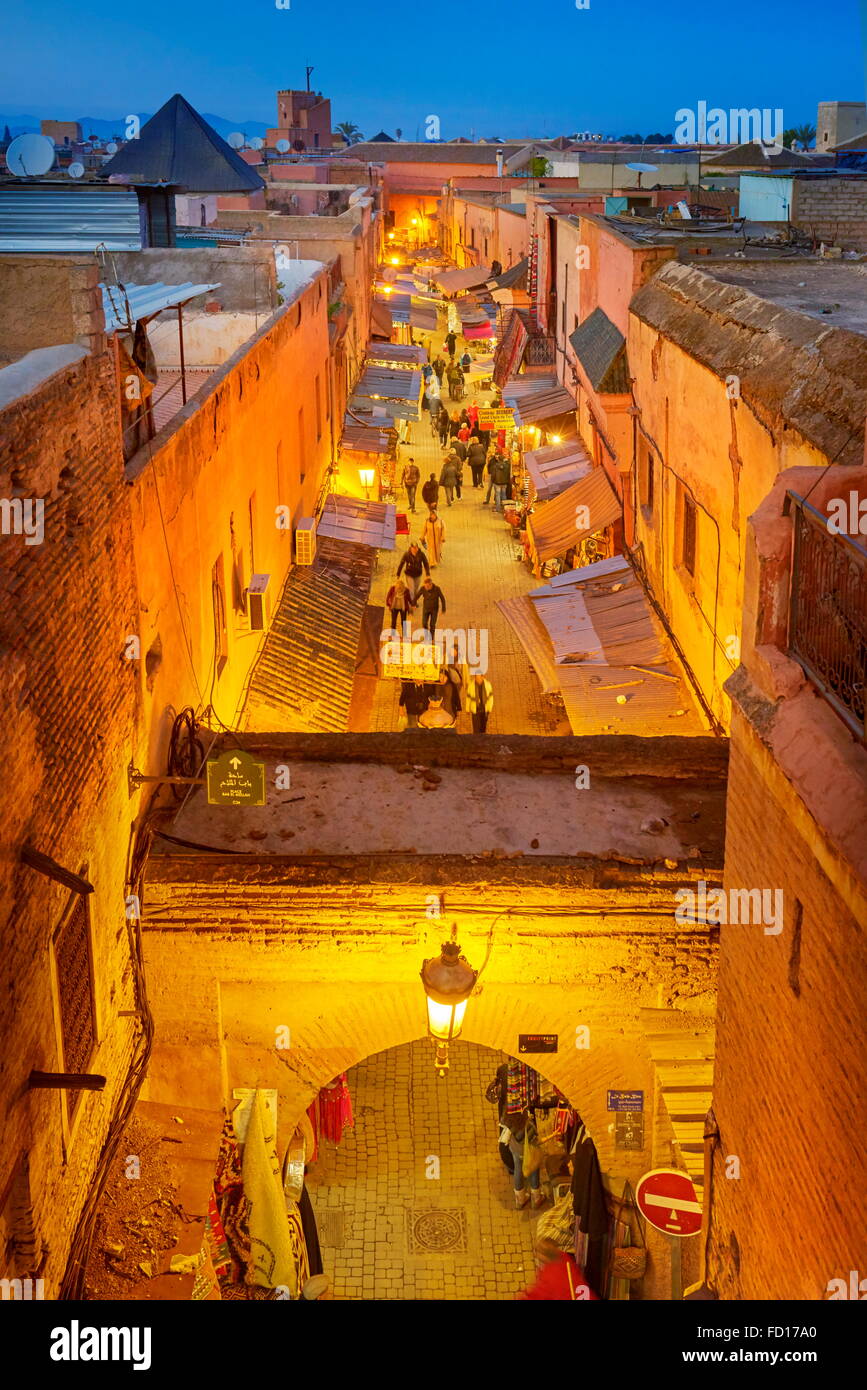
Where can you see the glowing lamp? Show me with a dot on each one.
(448, 982)
(367, 476)
(391, 236)
(415, 221)
(556, 439)
(395, 260)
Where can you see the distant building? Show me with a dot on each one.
(838, 121)
(65, 133)
(304, 119)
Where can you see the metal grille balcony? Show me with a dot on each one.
(828, 612)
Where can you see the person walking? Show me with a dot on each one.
(476, 460)
(480, 701)
(439, 367)
(500, 477)
(410, 480)
(490, 472)
(400, 602)
(413, 561)
(559, 1278)
(466, 363)
(473, 414)
(459, 470)
(427, 371)
(448, 691)
(449, 476)
(459, 448)
(443, 422)
(413, 701)
(430, 493)
(517, 1125)
(451, 340)
(432, 600)
(433, 538)
(454, 425)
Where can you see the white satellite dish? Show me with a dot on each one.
(283, 146)
(29, 156)
(257, 142)
(111, 147)
(236, 140)
(643, 168)
(75, 171)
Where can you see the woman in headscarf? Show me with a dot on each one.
(433, 538)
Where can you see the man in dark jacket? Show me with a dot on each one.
(413, 561)
(449, 476)
(439, 367)
(476, 460)
(430, 493)
(413, 701)
(500, 472)
(450, 343)
(410, 480)
(432, 600)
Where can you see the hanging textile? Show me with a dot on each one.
(591, 1209)
(273, 1245)
(523, 1087)
(313, 1117)
(311, 1234)
(335, 1109)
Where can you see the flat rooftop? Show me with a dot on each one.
(423, 802)
(833, 292)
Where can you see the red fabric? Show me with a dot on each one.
(552, 1282)
(501, 439)
(335, 1110)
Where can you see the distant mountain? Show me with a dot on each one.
(104, 130)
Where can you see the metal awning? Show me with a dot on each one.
(555, 467)
(363, 438)
(470, 278)
(405, 355)
(422, 316)
(354, 519)
(393, 390)
(125, 305)
(513, 278)
(68, 217)
(553, 527)
(537, 396)
(593, 636)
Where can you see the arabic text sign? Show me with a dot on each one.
(235, 779)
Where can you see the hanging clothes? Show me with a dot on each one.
(274, 1231)
(590, 1207)
(311, 1233)
(523, 1087)
(335, 1110)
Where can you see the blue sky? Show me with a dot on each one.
(508, 68)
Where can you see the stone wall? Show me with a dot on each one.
(245, 276)
(47, 300)
(833, 210)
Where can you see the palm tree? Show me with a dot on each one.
(350, 132)
(804, 134)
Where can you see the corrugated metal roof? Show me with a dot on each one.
(305, 672)
(601, 349)
(396, 354)
(363, 438)
(471, 277)
(537, 396)
(556, 467)
(521, 615)
(600, 619)
(124, 305)
(552, 528)
(178, 147)
(357, 521)
(68, 217)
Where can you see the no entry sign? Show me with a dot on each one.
(668, 1200)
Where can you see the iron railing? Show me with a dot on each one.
(539, 351)
(828, 611)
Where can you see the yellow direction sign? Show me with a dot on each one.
(235, 778)
(496, 419)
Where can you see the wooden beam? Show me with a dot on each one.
(43, 864)
(65, 1081)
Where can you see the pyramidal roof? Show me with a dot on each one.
(177, 146)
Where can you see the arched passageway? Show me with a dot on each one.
(415, 1202)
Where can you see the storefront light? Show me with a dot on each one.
(395, 260)
(367, 475)
(448, 982)
(556, 439)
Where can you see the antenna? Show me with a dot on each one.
(29, 156)
(283, 146)
(75, 171)
(237, 140)
(309, 70)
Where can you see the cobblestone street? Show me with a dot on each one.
(389, 1229)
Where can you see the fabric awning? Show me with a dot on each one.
(362, 522)
(553, 527)
(555, 467)
(380, 319)
(513, 278)
(470, 278)
(422, 316)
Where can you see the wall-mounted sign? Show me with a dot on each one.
(537, 1042)
(629, 1129)
(235, 779)
(625, 1100)
(667, 1198)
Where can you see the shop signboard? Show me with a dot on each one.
(408, 661)
(667, 1198)
(500, 419)
(629, 1129)
(537, 1042)
(235, 779)
(625, 1100)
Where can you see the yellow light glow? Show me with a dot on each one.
(366, 474)
(386, 289)
(556, 439)
(415, 221)
(440, 1019)
(391, 236)
(395, 260)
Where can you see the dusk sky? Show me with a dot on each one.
(506, 70)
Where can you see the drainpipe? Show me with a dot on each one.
(702, 1292)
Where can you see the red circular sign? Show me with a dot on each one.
(668, 1200)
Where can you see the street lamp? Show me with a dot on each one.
(448, 982)
(367, 476)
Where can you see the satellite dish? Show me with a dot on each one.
(236, 140)
(356, 197)
(256, 143)
(30, 156)
(112, 147)
(283, 146)
(75, 171)
(643, 168)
